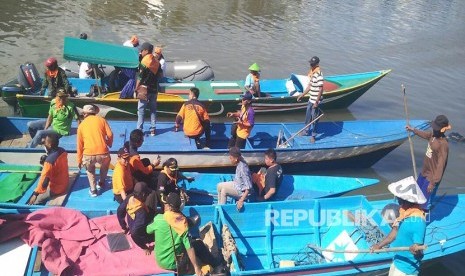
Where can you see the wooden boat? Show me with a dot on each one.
(219, 97)
(202, 191)
(108, 57)
(344, 144)
(317, 237)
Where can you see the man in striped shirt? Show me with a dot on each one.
(315, 87)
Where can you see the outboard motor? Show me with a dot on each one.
(29, 78)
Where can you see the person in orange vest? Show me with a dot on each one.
(94, 138)
(149, 72)
(123, 183)
(54, 177)
(245, 120)
(136, 211)
(194, 117)
(142, 169)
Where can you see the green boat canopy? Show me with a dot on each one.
(95, 52)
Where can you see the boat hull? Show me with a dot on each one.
(272, 238)
(348, 144)
(220, 97)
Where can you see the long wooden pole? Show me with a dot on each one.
(302, 129)
(408, 134)
(382, 250)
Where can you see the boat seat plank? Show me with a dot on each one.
(225, 91)
(224, 84)
(58, 201)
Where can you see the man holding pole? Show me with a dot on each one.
(315, 87)
(435, 161)
(408, 229)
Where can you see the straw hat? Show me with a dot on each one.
(254, 67)
(408, 190)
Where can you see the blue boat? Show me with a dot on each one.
(317, 237)
(343, 144)
(202, 191)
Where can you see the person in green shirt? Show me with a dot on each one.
(60, 117)
(172, 238)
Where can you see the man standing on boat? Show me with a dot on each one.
(194, 117)
(435, 161)
(315, 87)
(245, 120)
(54, 78)
(408, 229)
(147, 83)
(94, 138)
(60, 117)
(54, 177)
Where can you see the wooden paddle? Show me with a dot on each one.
(408, 134)
(382, 250)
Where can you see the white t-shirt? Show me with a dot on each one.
(82, 70)
(162, 65)
(128, 43)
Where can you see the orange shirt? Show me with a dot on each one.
(246, 116)
(122, 179)
(136, 165)
(55, 173)
(192, 126)
(94, 137)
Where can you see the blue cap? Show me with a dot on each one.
(247, 96)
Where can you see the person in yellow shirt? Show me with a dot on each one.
(123, 183)
(94, 138)
(194, 117)
(245, 120)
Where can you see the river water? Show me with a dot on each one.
(422, 41)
